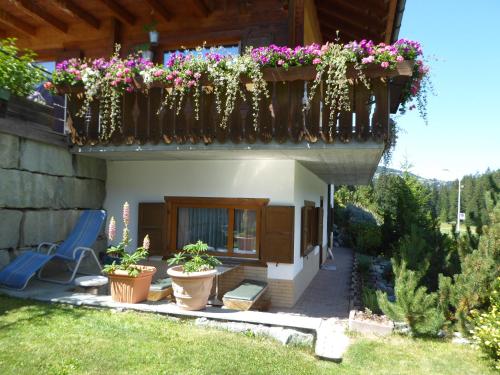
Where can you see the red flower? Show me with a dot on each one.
(48, 85)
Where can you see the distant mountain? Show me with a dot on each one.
(386, 170)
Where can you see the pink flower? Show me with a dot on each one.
(197, 75)
(146, 243)
(316, 61)
(178, 81)
(119, 74)
(400, 58)
(158, 73)
(128, 79)
(189, 72)
(169, 77)
(367, 60)
(48, 85)
(384, 64)
(126, 213)
(126, 70)
(280, 62)
(112, 229)
(129, 89)
(191, 83)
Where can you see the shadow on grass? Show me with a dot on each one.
(32, 312)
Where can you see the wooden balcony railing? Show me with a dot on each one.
(281, 117)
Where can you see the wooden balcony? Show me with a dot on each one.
(281, 117)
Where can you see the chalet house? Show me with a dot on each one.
(261, 196)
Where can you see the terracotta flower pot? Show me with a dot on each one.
(128, 289)
(191, 290)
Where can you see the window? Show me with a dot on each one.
(228, 50)
(230, 226)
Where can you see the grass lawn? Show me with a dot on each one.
(40, 338)
(447, 228)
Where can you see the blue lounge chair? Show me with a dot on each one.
(19, 272)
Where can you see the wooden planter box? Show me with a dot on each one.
(370, 327)
(128, 289)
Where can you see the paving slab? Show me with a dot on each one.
(331, 340)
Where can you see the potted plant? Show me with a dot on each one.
(129, 281)
(18, 74)
(192, 276)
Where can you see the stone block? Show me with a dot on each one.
(9, 229)
(21, 189)
(47, 226)
(90, 167)
(9, 151)
(43, 158)
(80, 193)
(4, 258)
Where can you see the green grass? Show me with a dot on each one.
(40, 338)
(447, 228)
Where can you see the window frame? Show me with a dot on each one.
(172, 213)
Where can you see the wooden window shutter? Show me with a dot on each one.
(308, 231)
(277, 234)
(152, 222)
(319, 221)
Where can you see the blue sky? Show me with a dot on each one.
(461, 40)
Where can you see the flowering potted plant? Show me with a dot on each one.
(129, 281)
(192, 276)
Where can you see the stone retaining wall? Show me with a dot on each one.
(43, 189)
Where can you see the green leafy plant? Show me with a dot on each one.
(17, 72)
(370, 301)
(128, 261)
(486, 332)
(413, 305)
(194, 258)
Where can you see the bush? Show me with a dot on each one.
(413, 304)
(480, 269)
(366, 237)
(370, 302)
(364, 264)
(17, 74)
(486, 333)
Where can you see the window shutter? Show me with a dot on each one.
(307, 237)
(152, 222)
(319, 220)
(276, 243)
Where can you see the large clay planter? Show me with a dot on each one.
(128, 289)
(191, 290)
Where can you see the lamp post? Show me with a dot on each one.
(458, 204)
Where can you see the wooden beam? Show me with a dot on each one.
(357, 10)
(345, 35)
(312, 32)
(295, 23)
(390, 20)
(35, 10)
(16, 23)
(362, 34)
(116, 34)
(160, 9)
(120, 12)
(338, 17)
(77, 11)
(201, 8)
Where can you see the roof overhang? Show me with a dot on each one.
(353, 163)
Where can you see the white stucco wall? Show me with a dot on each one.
(284, 182)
